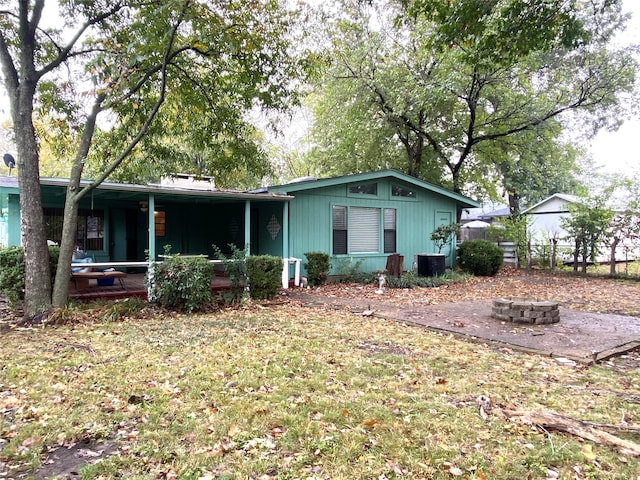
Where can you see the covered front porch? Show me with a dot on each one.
(123, 223)
(127, 226)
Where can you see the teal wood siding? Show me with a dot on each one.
(269, 225)
(416, 218)
(9, 217)
(13, 225)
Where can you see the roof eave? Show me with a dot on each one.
(461, 200)
(165, 190)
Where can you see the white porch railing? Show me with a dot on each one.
(286, 262)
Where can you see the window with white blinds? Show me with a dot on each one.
(361, 229)
(364, 230)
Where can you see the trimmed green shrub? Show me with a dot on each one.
(317, 268)
(480, 257)
(235, 268)
(411, 279)
(180, 283)
(349, 271)
(12, 273)
(264, 272)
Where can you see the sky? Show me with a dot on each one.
(618, 152)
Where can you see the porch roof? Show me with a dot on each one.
(140, 192)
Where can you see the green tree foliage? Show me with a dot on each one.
(440, 81)
(528, 167)
(444, 235)
(188, 67)
(587, 227)
(623, 196)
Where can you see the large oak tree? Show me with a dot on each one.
(124, 60)
(450, 82)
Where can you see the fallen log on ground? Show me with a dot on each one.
(579, 428)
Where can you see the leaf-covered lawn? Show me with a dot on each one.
(286, 392)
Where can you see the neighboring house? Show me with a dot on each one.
(480, 214)
(546, 219)
(365, 216)
(475, 222)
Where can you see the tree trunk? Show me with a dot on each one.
(612, 260)
(514, 204)
(414, 152)
(576, 254)
(67, 244)
(37, 294)
(74, 193)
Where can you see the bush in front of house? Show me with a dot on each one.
(480, 257)
(235, 268)
(264, 273)
(179, 283)
(12, 273)
(317, 268)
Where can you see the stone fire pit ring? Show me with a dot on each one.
(525, 311)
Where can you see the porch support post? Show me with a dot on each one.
(152, 244)
(285, 230)
(247, 227)
(285, 245)
(152, 228)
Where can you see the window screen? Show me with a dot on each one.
(89, 232)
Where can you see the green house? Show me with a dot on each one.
(368, 216)
(364, 217)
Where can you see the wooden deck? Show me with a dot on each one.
(133, 287)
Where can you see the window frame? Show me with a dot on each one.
(356, 194)
(388, 232)
(402, 198)
(357, 234)
(341, 234)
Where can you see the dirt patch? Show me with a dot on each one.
(66, 462)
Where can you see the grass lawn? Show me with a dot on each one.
(285, 393)
(631, 269)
